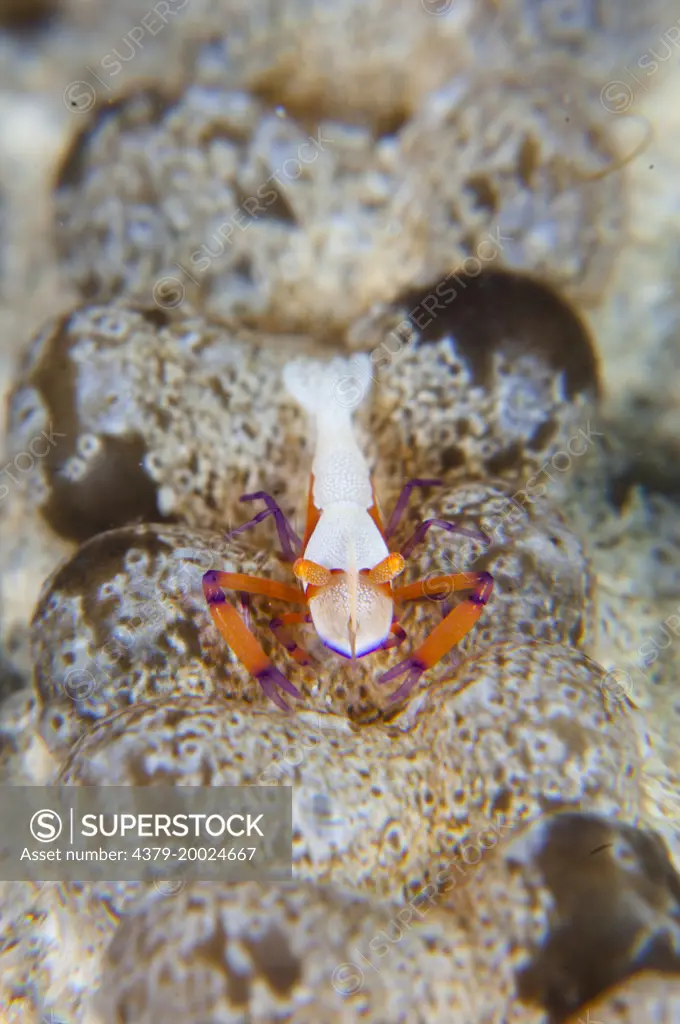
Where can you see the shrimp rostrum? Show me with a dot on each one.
(343, 565)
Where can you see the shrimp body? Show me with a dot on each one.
(343, 565)
(351, 614)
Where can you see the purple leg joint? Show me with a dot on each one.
(483, 589)
(211, 588)
(413, 668)
(396, 640)
(270, 679)
(289, 540)
(462, 531)
(284, 636)
(403, 500)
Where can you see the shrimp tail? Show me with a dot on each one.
(329, 390)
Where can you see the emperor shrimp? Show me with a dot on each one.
(343, 565)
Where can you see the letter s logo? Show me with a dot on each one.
(45, 826)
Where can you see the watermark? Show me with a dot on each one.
(650, 649)
(348, 977)
(618, 96)
(589, 1020)
(47, 825)
(83, 682)
(153, 608)
(245, 22)
(25, 462)
(81, 96)
(561, 462)
(169, 291)
(439, 588)
(437, 7)
(617, 688)
(624, 686)
(169, 886)
(294, 754)
(514, 508)
(142, 833)
(350, 389)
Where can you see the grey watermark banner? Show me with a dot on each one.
(145, 833)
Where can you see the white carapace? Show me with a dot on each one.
(352, 615)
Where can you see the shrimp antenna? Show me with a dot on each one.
(353, 588)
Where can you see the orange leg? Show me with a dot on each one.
(234, 630)
(284, 636)
(448, 632)
(313, 515)
(396, 639)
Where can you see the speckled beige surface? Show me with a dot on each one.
(400, 798)
(261, 954)
(149, 423)
(202, 411)
(530, 718)
(364, 806)
(224, 205)
(125, 619)
(447, 128)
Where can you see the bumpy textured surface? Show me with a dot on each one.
(125, 619)
(635, 559)
(429, 787)
(521, 728)
(366, 829)
(263, 953)
(642, 403)
(599, 31)
(214, 201)
(499, 740)
(562, 910)
(29, 552)
(22, 952)
(509, 360)
(141, 418)
(143, 629)
(515, 167)
(27, 295)
(24, 759)
(144, 421)
(542, 583)
(571, 906)
(363, 62)
(338, 56)
(219, 203)
(40, 924)
(114, 454)
(412, 184)
(202, 418)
